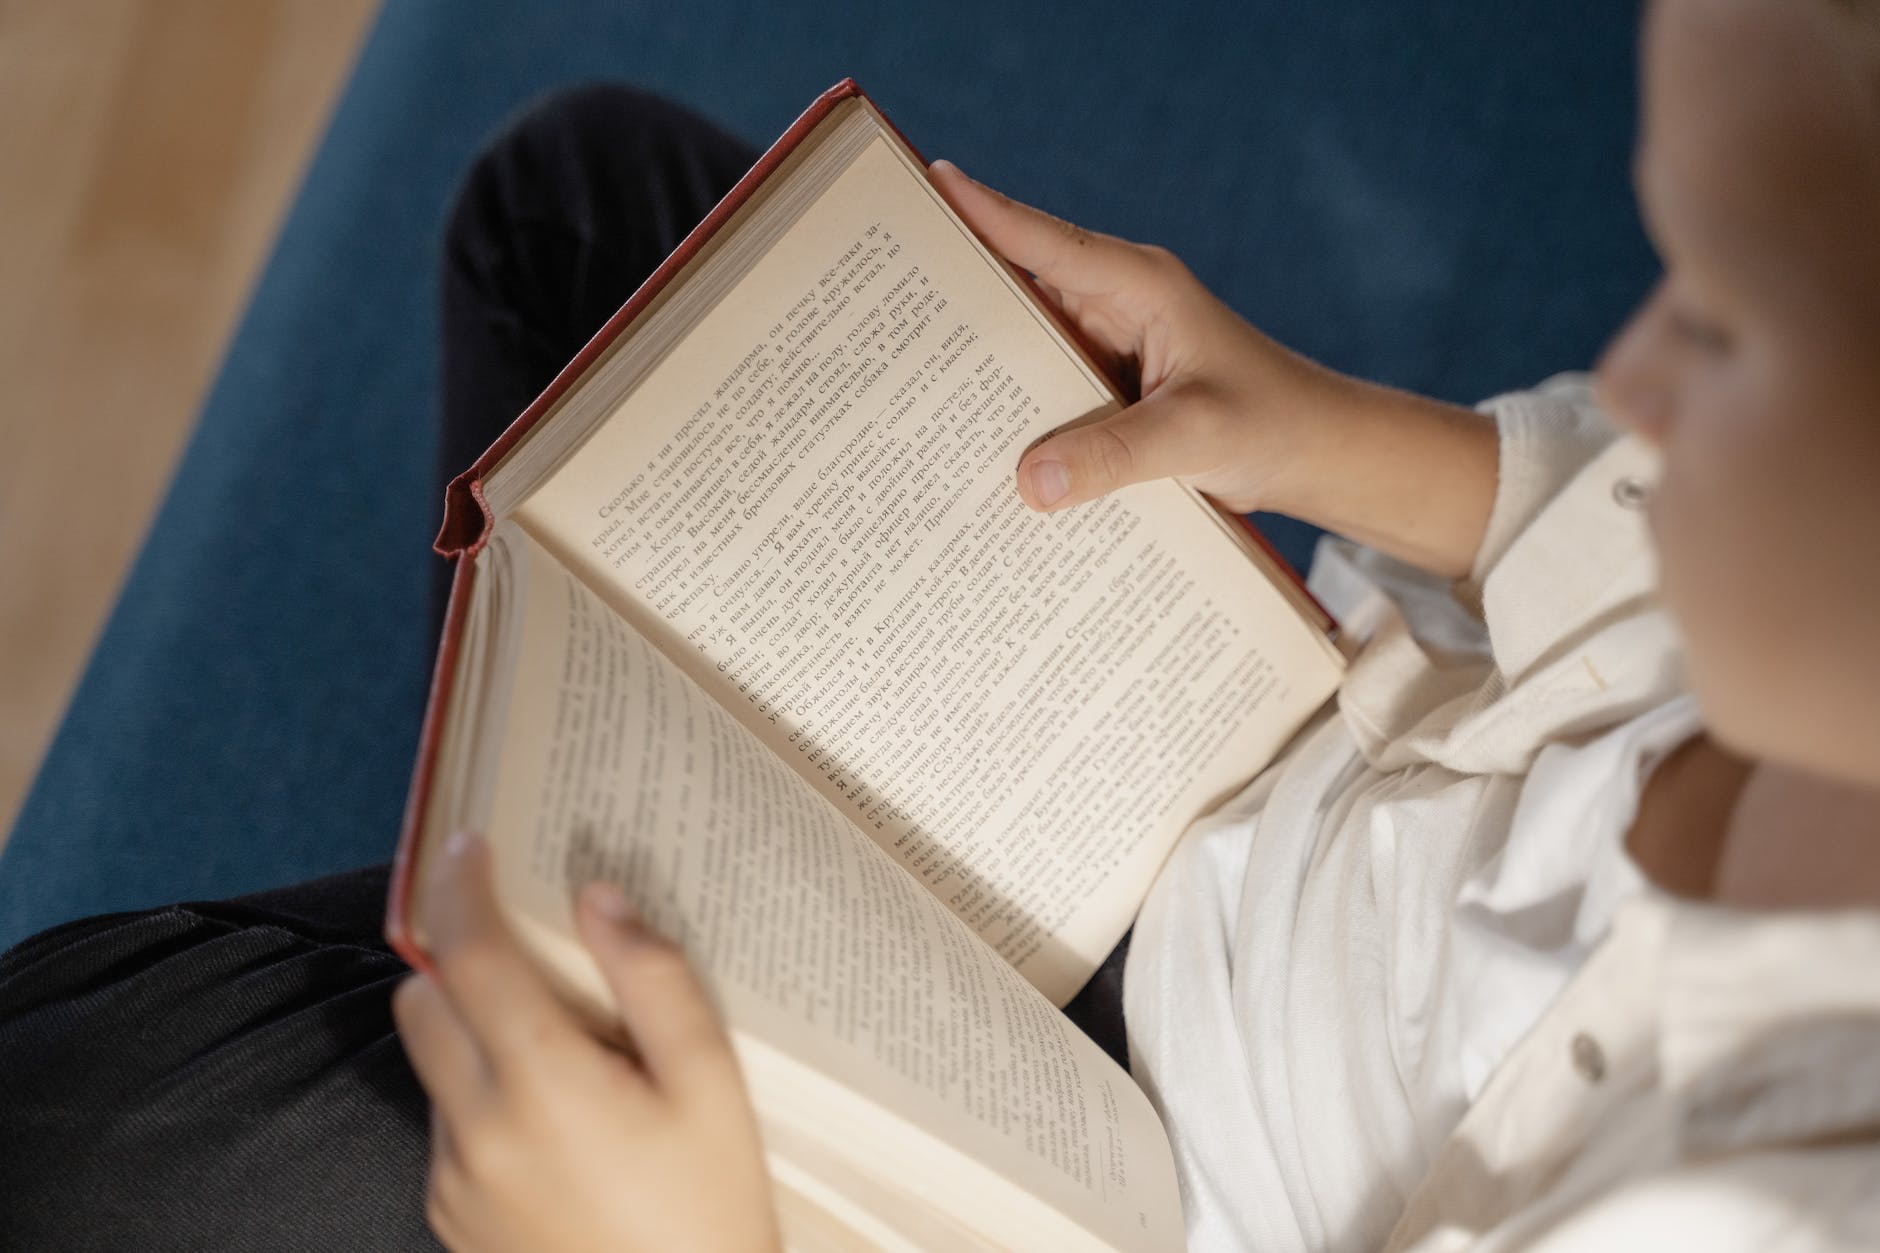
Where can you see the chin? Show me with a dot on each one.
(1734, 719)
(1781, 733)
(1726, 737)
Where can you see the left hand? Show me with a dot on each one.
(1230, 412)
(544, 1137)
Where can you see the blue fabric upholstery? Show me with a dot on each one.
(1433, 194)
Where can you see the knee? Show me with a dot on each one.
(581, 156)
(586, 115)
(144, 1055)
(75, 1025)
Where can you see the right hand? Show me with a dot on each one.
(1222, 407)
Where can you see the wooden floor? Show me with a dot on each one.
(149, 149)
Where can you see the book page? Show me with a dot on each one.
(809, 505)
(613, 765)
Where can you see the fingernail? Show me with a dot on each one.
(943, 162)
(460, 842)
(1050, 481)
(612, 903)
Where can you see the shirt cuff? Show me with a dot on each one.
(1549, 433)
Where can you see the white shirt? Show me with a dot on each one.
(1342, 962)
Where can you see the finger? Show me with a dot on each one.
(443, 1141)
(444, 1194)
(681, 1042)
(1160, 436)
(444, 1188)
(498, 996)
(1069, 258)
(442, 1052)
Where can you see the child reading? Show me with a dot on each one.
(1524, 942)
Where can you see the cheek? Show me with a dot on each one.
(1709, 540)
(1765, 539)
(1722, 524)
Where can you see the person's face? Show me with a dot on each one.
(1755, 367)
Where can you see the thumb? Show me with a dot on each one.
(663, 1005)
(1151, 439)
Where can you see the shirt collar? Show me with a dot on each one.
(1770, 1024)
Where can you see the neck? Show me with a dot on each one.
(1754, 834)
(1801, 841)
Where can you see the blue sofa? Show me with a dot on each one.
(1433, 194)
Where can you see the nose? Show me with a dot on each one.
(1633, 381)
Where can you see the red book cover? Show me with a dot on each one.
(468, 521)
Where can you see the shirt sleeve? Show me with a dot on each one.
(1549, 434)
(1567, 549)
(1565, 583)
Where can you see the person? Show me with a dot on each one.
(1561, 929)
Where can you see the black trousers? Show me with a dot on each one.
(225, 1075)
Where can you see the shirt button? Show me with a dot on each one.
(1589, 1060)
(1630, 493)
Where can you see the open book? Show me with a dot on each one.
(748, 618)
